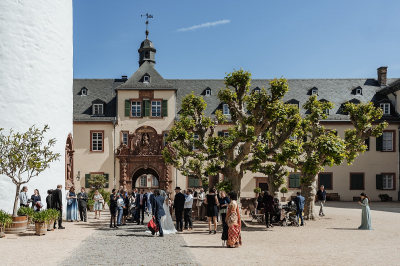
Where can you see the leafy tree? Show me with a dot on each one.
(25, 155)
(97, 181)
(323, 147)
(262, 126)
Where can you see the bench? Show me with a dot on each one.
(333, 197)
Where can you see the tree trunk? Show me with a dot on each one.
(16, 200)
(274, 190)
(309, 190)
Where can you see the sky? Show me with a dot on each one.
(206, 39)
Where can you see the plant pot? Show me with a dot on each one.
(283, 199)
(2, 232)
(18, 226)
(40, 228)
(91, 208)
(50, 226)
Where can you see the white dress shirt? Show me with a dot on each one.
(188, 202)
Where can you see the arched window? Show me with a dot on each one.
(154, 182)
(143, 181)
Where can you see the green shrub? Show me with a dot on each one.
(257, 190)
(384, 197)
(25, 211)
(5, 218)
(284, 190)
(225, 186)
(103, 192)
(53, 214)
(41, 217)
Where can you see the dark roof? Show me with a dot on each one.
(147, 44)
(393, 86)
(98, 90)
(136, 80)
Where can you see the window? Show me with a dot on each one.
(325, 179)
(165, 137)
(193, 182)
(294, 181)
(195, 137)
(358, 91)
(357, 181)
(98, 109)
(146, 79)
(387, 181)
(143, 181)
(225, 109)
(156, 108)
(97, 141)
(327, 111)
(314, 92)
(124, 138)
(208, 92)
(387, 141)
(154, 182)
(293, 137)
(136, 109)
(226, 133)
(386, 108)
(84, 92)
(147, 55)
(257, 90)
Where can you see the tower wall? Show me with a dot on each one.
(36, 76)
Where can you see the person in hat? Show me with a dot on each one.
(179, 203)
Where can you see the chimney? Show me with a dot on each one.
(124, 77)
(382, 75)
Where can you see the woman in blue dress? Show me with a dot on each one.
(366, 213)
(72, 205)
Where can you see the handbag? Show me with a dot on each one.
(69, 201)
(101, 201)
(152, 226)
(232, 219)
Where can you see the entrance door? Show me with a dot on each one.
(263, 186)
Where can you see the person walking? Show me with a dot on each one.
(321, 196)
(82, 204)
(98, 204)
(149, 199)
(72, 207)
(158, 211)
(223, 207)
(268, 202)
(113, 207)
(125, 209)
(200, 204)
(212, 209)
(300, 201)
(179, 205)
(133, 204)
(141, 202)
(187, 210)
(23, 197)
(49, 198)
(260, 205)
(234, 223)
(35, 199)
(57, 204)
(366, 213)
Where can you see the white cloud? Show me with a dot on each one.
(206, 25)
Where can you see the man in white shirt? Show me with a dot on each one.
(23, 197)
(187, 211)
(199, 204)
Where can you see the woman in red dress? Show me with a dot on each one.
(233, 221)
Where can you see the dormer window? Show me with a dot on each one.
(225, 109)
(208, 92)
(314, 91)
(146, 79)
(327, 111)
(358, 91)
(98, 109)
(84, 92)
(257, 90)
(386, 108)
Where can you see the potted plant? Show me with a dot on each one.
(257, 190)
(90, 204)
(384, 197)
(283, 191)
(5, 220)
(53, 216)
(27, 212)
(41, 219)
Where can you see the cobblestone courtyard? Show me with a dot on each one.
(333, 240)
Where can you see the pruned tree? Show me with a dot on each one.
(97, 181)
(324, 147)
(261, 127)
(25, 155)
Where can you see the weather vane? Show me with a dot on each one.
(147, 23)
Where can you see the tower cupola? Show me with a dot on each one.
(147, 51)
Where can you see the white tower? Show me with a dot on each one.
(36, 53)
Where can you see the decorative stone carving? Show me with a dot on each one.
(145, 141)
(122, 149)
(69, 162)
(148, 94)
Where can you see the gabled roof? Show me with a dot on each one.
(393, 86)
(136, 80)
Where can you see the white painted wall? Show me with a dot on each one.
(36, 75)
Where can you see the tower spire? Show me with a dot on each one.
(147, 23)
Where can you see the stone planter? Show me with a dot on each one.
(2, 232)
(19, 225)
(40, 228)
(283, 199)
(50, 225)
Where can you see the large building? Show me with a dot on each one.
(36, 79)
(120, 125)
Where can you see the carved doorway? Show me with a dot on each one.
(69, 162)
(145, 178)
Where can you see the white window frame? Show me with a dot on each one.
(225, 109)
(157, 107)
(97, 141)
(387, 141)
(146, 79)
(98, 109)
(165, 136)
(257, 90)
(387, 181)
(314, 92)
(386, 108)
(208, 92)
(124, 137)
(143, 178)
(154, 181)
(84, 92)
(226, 134)
(138, 109)
(358, 91)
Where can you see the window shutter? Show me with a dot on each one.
(146, 104)
(165, 108)
(87, 178)
(325, 180)
(292, 182)
(353, 182)
(379, 182)
(379, 143)
(108, 181)
(367, 143)
(127, 108)
(220, 133)
(297, 180)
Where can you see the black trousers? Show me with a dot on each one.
(225, 227)
(179, 220)
(59, 219)
(82, 212)
(188, 218)
(268, 215)
(140, 210)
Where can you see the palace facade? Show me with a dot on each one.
(120, 126)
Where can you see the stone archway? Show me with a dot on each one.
(149, 176)
(69, 162)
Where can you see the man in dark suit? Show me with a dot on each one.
(300, 201)
(158, 210)
(58, 205)
(151, 200)
(179, 203)
(133, 209)
(268, 201)
(82, 204)
(141, 203)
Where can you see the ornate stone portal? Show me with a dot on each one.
(141, 156)
(69, 162)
